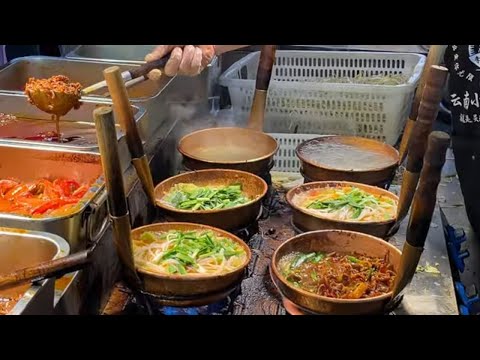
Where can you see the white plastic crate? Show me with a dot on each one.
(298, 102)
(286, 159)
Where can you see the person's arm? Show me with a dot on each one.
(188, 60)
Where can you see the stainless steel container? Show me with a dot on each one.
(20, 249)
(88, 220)
(17, 104)
(155, 97)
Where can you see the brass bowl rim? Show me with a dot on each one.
(278, 275)
(214, 211)
(264, 157)
(194, 277)
(318, 184)
(325, 167)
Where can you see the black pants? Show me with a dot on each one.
(467, 162)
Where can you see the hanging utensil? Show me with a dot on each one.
(117, 203)
(422, 209)
(427, 114)
(434, 57)
(125, 116)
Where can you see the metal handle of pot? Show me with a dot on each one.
(124, 113)
(264, 74)
(422, 209)
(117, 203)
(265, 66)
(429, 107)
(434, 57)
(48, 269)
(94, 234)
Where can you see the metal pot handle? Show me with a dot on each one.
(95, 206)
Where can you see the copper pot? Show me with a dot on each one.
(307, 221)
(229, 219)
(228, 148)
(365, 173)
(330, 241)
(190, 285)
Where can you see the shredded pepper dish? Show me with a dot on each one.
(41, 197)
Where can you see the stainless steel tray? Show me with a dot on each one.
(21, 248)
(17, 104)
(111, 53)
(144, 95)
(88, 220)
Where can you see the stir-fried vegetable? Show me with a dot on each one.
(187, 252)
(337, 275)
(350, 203)
(193, 197)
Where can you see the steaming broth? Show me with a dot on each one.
(347, 157)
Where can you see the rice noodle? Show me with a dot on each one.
(187, 252)
(347, 204)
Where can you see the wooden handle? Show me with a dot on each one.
(107, 142)
(145, 69)
(49, 269)
(123, 110)
(265, 66)
(427, 113)
(426, 194)
(434, 57)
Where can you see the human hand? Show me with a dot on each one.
(187, 60)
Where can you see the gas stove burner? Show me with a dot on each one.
(212, 304)
(188, 301)
(219, 308)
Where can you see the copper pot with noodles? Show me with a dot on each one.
(336, 272)
(347, 158)
(344, 206)
(227, 199)
(183, 260)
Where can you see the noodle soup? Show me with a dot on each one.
(347, 203)
(193, 252)
(337, 275)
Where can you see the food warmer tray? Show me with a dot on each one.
(88, 220)
(28, 248)
(145, 95)
(76, 121)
